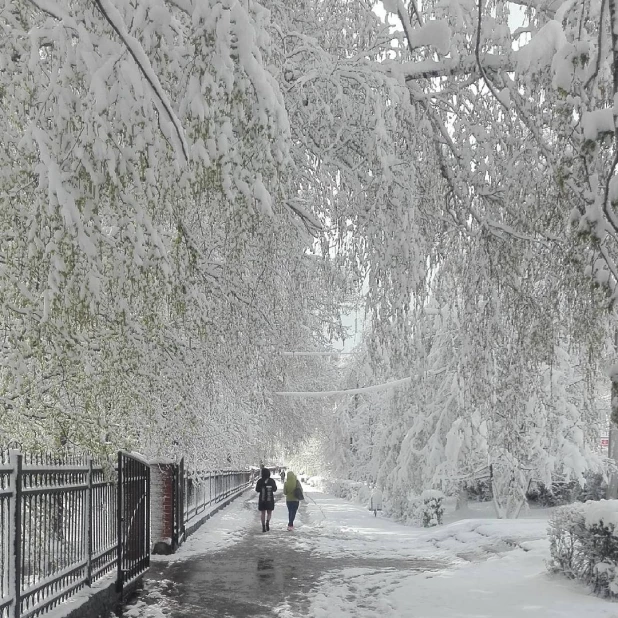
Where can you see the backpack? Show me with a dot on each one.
(267, 493)
(298, 491)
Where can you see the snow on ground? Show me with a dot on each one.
(369, 567)
(515, 585)
(341, 528)
(217, 533)
(497, 569)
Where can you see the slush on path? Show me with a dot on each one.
(341, 561)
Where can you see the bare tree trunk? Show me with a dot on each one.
(462, 498)
(612, 488)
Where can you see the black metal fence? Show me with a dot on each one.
(67, 522)
(59, 528)
(198, 493)
(6, 536)
(202, 490)
(133, 518)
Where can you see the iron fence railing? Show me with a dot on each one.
(103, 540)
(6, 536)
(133, 518)
(202, 490)
(51, 557)
(59, 528)
(67, 522)
(198, 493)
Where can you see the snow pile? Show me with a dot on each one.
(584, 544)
(490, 568)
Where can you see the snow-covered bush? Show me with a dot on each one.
(479, 490)
(584, 544)
(560, 493)
(566, 527)
(353, 491)
(556, 494)
(431, 508)
(595, 488)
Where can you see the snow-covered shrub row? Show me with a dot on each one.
(353, 491)
(479, 490)
(556, 494)
(426, 510)
(594, 487)
(584, 544)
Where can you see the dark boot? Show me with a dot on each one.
(263, 527)
(267, 525)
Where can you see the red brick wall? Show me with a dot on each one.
(161, 502)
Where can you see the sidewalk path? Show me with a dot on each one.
(341, 562)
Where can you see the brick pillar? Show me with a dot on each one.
(162, 506)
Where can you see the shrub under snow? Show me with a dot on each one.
(431, 508)
(353, 491)
(584, 544)
(426, 510)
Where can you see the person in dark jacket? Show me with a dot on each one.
(266, 487)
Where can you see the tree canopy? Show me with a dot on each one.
(189, 188)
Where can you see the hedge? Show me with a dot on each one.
(584, 544)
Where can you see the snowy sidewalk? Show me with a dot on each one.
(342, 562)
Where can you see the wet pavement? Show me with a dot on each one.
(260, 572)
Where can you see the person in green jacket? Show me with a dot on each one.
(291, 497)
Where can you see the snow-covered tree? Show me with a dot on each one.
(151, 263)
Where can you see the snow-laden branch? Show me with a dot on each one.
(435, 32)
(313, 224)
(333, 353)
(54, 11)
(114, 18)
(549, 7)
(186, 6)
(376, 388)
(352, 391)
(479, 59)
(450, 67)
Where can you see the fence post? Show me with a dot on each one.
(16, 459)
(119, 520)
(89, 525)
(174, 507)
(147, 533)
(180, 507)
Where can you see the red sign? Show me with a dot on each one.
(605, 442)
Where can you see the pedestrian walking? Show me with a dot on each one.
(283, 476)
(266, 487)
(375, 502)
(293, 495)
